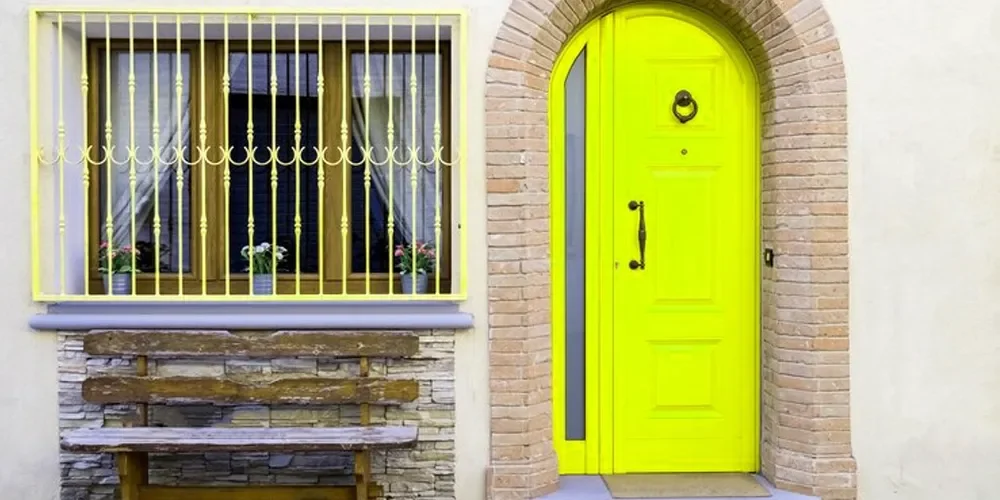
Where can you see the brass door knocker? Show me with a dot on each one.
(684, 99)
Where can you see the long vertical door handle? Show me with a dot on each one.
(641, 207)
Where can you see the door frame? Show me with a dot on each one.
(594, 454)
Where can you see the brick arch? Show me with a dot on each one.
(804, 356)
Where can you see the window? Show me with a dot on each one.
(330, 137)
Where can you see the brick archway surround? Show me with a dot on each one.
(804, 356)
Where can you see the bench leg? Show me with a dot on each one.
(362, 474)
(133, 472)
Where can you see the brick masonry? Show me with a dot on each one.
(425, 472)
(806, 443)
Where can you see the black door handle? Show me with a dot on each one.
(641, 263)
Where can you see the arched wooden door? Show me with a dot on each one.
(655, 230)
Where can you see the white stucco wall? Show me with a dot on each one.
(924, 116)
(29, 465)
(924, 109)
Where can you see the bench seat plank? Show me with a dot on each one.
(254, 492)
(177, 344)
(205, 439)
(249, 389)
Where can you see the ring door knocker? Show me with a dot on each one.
(684, 99)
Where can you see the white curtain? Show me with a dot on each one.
(405, 122)
(170, 140)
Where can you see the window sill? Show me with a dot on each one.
(253, 316)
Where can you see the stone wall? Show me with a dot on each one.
(425, 472)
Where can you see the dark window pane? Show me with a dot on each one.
(277, 129)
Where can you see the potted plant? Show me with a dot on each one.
(115, 263)
(416, 261)
(262, 257)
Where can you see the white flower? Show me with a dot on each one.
(265, 245)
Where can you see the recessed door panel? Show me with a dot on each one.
(694, 363)
(682, 211)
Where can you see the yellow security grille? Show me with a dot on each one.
(234, 155)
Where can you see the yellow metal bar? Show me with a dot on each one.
(226, 180)
(274, 156)
(320, 154)
(108, 148)
(202, 140)
(437, 155)
(251, 150)
(463, 136)
(131, 144)
(298, 164)
(344, 154)
(85, 162)
(277, 11)
(33, 88)
(415, 159)
(368, 159)
(288, 298)
(156, 157)
(390, 88)
(62, 167)
(179, 159)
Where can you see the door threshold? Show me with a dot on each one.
(593, 488)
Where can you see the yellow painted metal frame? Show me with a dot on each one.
(36, 15)
(575, 457)
(594, 455)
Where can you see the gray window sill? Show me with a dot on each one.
(253, 316)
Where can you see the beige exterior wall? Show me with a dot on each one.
(924, 236)
(924, 184)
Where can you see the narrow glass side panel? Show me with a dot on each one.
(575, 116)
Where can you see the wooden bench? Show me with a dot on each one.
(132, 444)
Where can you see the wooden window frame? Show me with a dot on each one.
(215, 261)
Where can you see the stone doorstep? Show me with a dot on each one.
(593, 488)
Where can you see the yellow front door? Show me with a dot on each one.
(655, 230)
(685, 285)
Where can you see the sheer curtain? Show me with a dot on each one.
(405, 123)
(171, 138)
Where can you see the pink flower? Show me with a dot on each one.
(399, 252)
(104, 244)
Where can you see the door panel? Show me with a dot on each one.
(685, 328)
